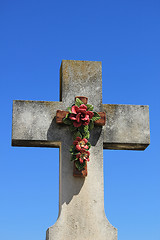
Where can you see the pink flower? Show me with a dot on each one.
(83, 155)
(80, 115)
(80, 143)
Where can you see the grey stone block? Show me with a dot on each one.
(34, 124)
(127, 127)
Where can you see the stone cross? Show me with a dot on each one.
(81, 200)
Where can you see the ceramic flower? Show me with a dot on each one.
(83, 155)
(80, 115)
(80, 143)
(81, 120)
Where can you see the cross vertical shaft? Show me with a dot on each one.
(81, 205)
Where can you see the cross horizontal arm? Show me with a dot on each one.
(127, 127)
(34, 124)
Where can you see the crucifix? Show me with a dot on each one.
(81, 200)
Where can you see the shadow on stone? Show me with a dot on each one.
(60, 136)
(94, 135)
(73, 189)
(54, 131)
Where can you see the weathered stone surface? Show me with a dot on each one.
(81, 78)
(81, 200)
(34, 123)
(127, 127)
(81, 213)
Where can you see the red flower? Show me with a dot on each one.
(83, 155)
(80, 143)
(80, 115)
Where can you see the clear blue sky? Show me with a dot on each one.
(35, 36)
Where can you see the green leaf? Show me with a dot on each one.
(95, 117)
(66, 116)
(69, 109)
(89, 107)
(72, 128)
(78, 102)
(79, 165)
(89, 145)
(77, 134)
(87, 135)
(67, 121)
(72, 149)
(91, 125)
(73, 158)
(85, 129)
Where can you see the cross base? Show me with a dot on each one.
(76, 230)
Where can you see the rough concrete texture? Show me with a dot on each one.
(127, 127)
(81, 200)
(81, 78)
(34, 123)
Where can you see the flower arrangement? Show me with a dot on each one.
(80, 119)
